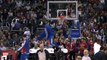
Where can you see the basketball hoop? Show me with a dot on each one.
(61, 19)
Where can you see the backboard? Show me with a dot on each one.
(68, 9)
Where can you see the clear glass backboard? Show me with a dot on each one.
(68, 9)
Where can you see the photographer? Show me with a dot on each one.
(42, 54)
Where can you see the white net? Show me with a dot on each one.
(61, 19)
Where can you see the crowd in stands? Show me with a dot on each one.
(15, 15)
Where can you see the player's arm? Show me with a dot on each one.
(22, 45)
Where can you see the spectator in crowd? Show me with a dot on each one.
(42, 54)
(73, 50)
(100, 55)
(86, 55)
(32, 52)
(78, 58)
(97, 46)
(17, 26)
(83, 45)
(2, 47)
(105, 52)
(10, 57)
(15, 40)
(91, 45)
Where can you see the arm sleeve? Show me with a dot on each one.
(22, 46)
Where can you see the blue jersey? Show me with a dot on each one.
(25, 46)
(48, 33)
